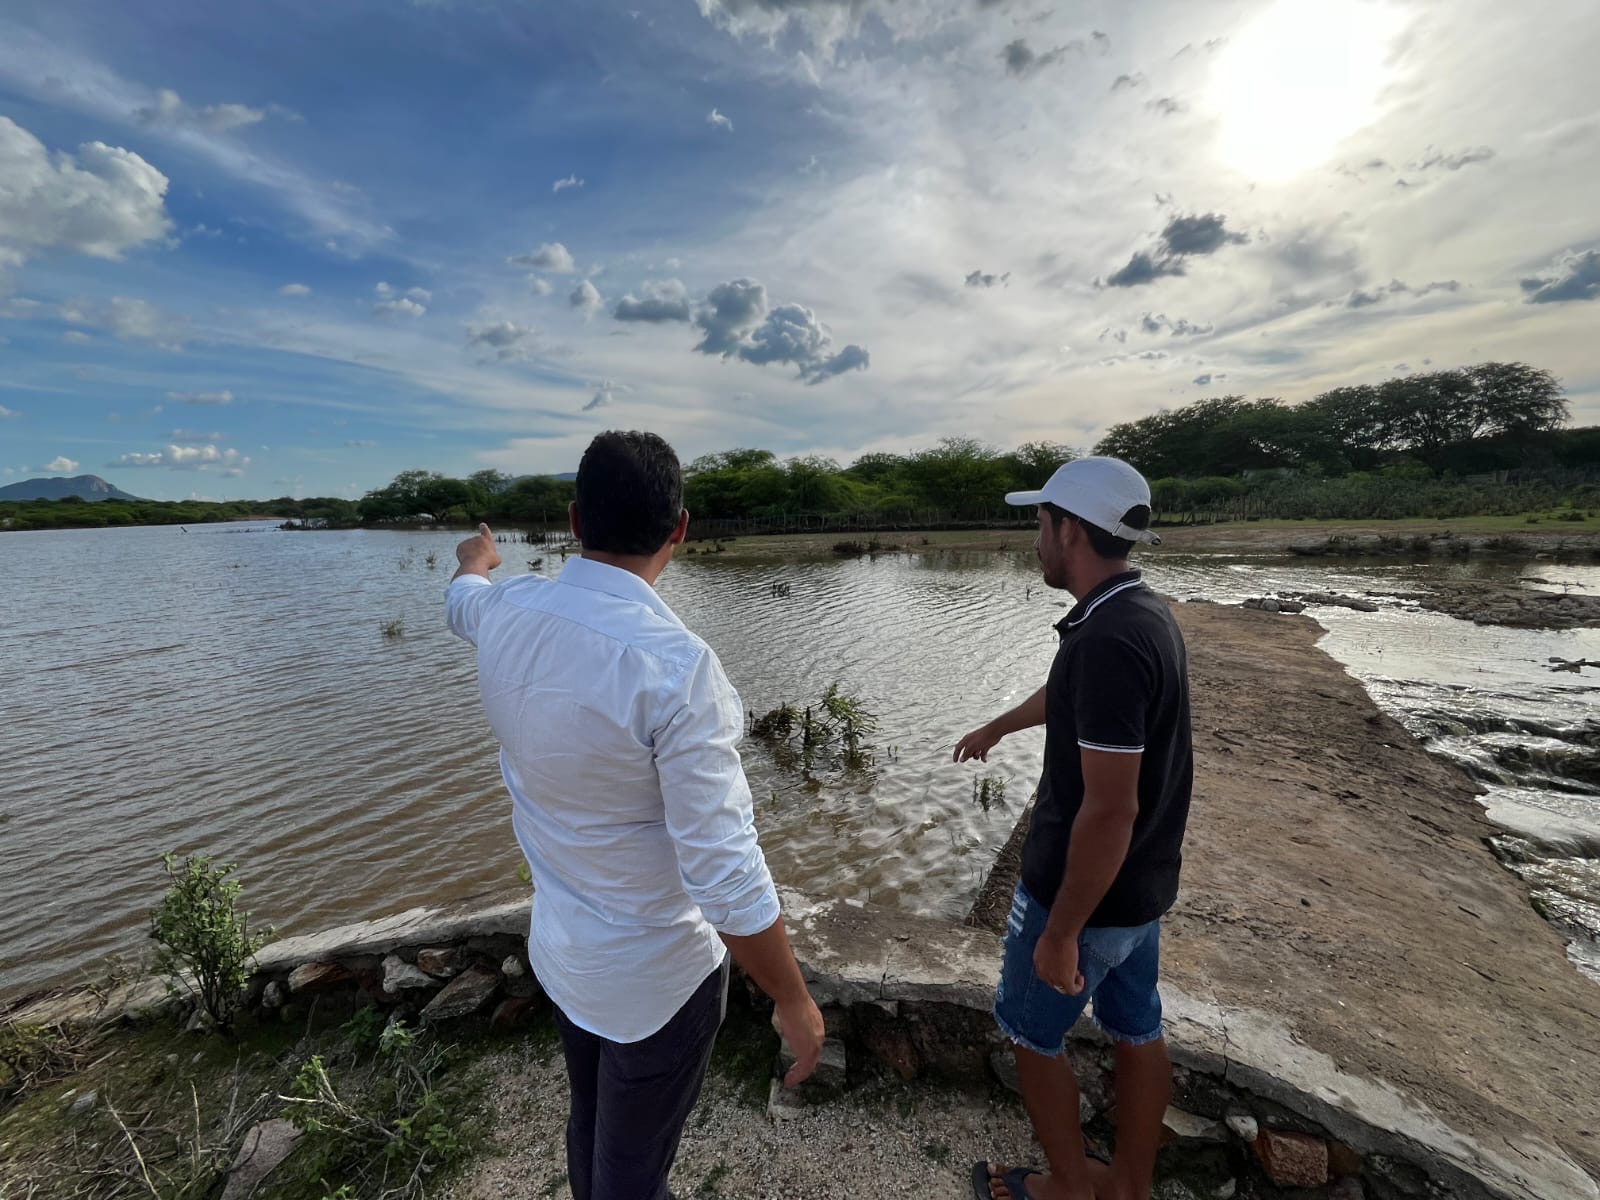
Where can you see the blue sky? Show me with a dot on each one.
(249, 250)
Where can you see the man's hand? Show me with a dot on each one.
(978, 743)
(1055, 960)
(800, 1024)
(477, 555)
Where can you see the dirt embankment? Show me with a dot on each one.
(1338, 876)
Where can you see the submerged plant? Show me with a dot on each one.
(833, 731)
(989, 792)
(393, 629)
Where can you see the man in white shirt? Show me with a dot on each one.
(618, 743)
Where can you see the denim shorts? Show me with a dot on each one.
(1119, 968)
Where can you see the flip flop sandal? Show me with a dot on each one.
(1014, 1180)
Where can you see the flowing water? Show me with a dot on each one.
(230, 691)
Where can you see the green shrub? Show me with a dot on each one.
(384, 1126)
(206, 943)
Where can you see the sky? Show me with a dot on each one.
(253, 250)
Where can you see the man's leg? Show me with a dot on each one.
(1035, 1017)
(1127, 1005)
(582, 1051)
(1050, 1094)
(1144, 1089)
(647, 1090)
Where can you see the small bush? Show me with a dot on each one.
(393, 629)
(205, 941)
(384, 1126)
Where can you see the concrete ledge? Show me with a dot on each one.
(907, 969)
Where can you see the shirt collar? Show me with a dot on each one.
(614, 581)
(1116, 585)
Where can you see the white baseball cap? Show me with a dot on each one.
(1106, 492)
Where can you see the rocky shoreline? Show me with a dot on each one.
(1444, 544)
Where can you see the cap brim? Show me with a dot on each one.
(1025, 499)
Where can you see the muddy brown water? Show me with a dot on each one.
(230, 691)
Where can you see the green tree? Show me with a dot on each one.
(490, 482)
(961, 476)
(1031, 463)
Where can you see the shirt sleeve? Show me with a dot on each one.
(464, 603)
(708, 809)
(1111, 687)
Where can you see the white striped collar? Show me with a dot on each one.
(1086, 610)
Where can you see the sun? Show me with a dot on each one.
(1297, 80)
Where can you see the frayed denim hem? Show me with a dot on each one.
(1017, 1039)
(1116, 1035)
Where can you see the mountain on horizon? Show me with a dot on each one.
(85, 487)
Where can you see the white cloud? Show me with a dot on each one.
(61, 465)
(586, 298)
(76, 337)
(552, 256)
(50, 72)
(386, 292)
(659, 301)
(360, 443)
(194, 437)
(539, 285)
(737, 323)
(605, 393)
(294, 289)
(506, 340)
(8, 412)
(392, 302)
(127, 317)
(101, 202)
(168, 108)
(203, 398)
(561, 185)
(187, 458)
(719, 120)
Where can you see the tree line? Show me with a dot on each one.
(1425, 444)
(1490, 417)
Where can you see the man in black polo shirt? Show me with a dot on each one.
(1100, 866)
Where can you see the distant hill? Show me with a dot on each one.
(85, 487)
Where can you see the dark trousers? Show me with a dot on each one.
(631, 1099)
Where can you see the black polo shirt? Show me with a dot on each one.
(1120, 682)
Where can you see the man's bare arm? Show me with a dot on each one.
(767, 958)
(977, 744)
(1100, 837)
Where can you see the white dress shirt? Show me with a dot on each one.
(618, 742)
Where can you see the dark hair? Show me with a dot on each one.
(630, 493)
(1101, 542)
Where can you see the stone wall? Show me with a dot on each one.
(1253, 1111)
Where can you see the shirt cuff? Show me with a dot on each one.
(465, 581)
(751, 918)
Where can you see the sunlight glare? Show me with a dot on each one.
(1297, 80)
